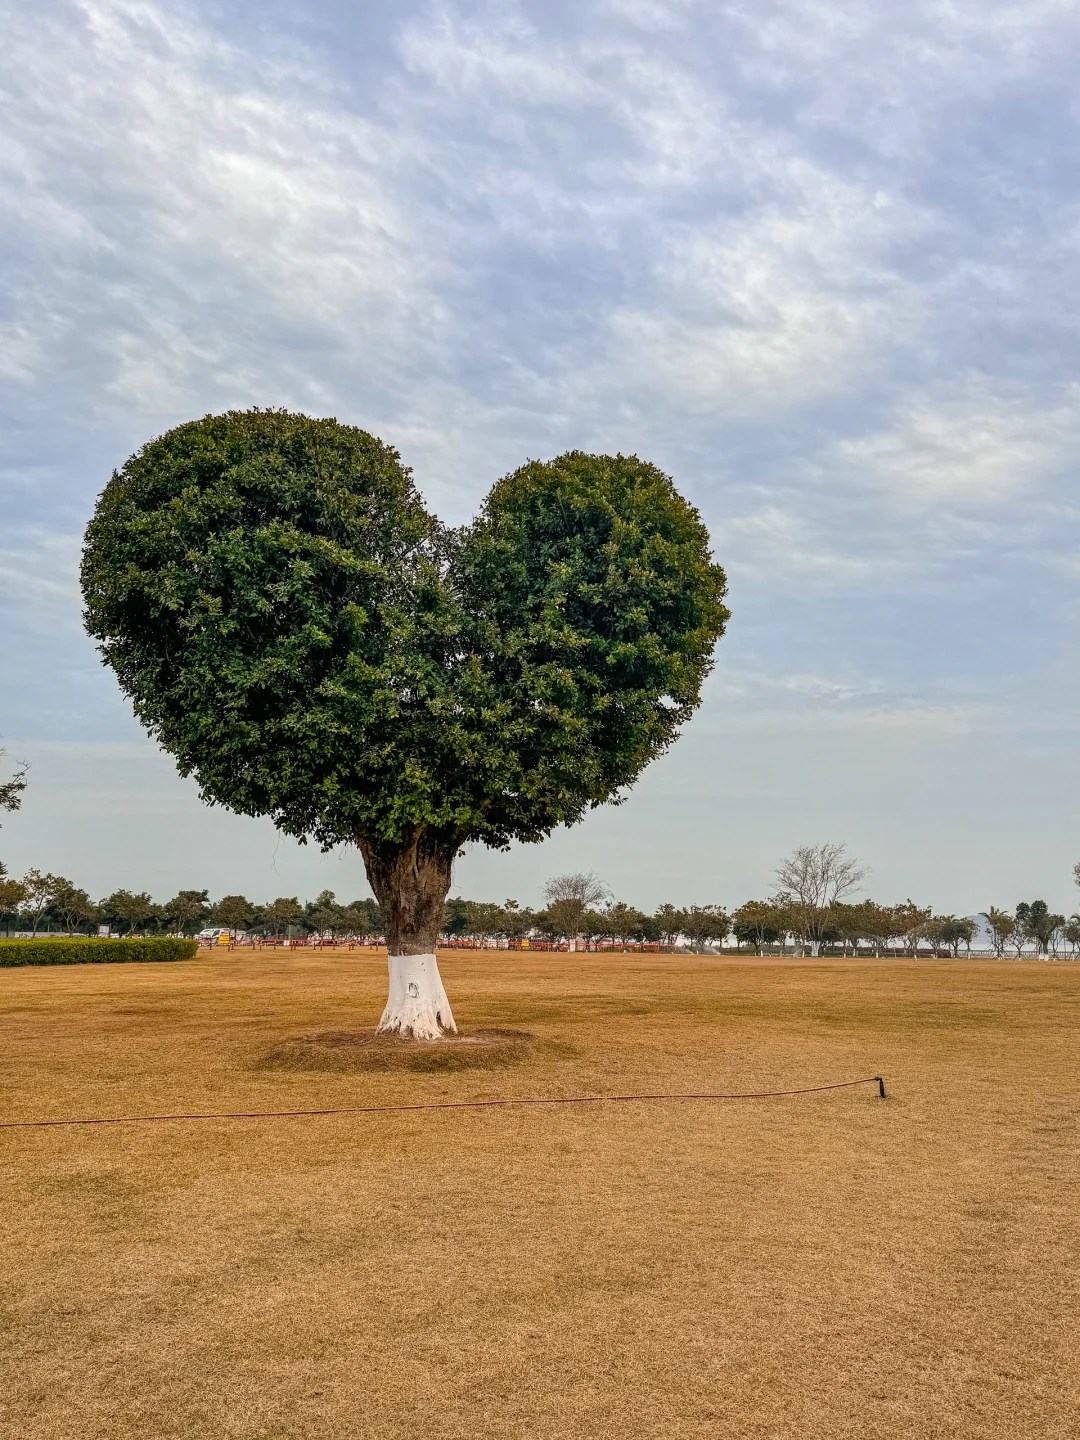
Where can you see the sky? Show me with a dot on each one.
(817, 259)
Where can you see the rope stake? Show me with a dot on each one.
(436, 1105)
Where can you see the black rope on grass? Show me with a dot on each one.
(436, 1105)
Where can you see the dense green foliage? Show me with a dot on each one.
(310, 644)
(595, 609)
(94, 952)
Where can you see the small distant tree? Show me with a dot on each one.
(12, 895)
(648, 928)
(362, 917)
(625, 923)
(455, 917)
(1002, 927)
(323, 915)
(485, 919)
(849, 924)
(1071, 932)
(953, 931)
(516, 921)
(1035, 922)
(232, 912)
(39, 890)
(187, 911)
(877, 924)
(758, 923)
(594, 925)
(568, 897)
(811, 879)
(373, 916)
(669, 924)
(910, 921)
(705, 924)
(73, 906)
(123, 907)
(310, 644)
(283, 914)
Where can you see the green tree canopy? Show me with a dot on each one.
(72, 905)
(515, 922)
(758, 923)
(310, 644)
(38, 893)
(703, 924)
(1002, 928)
(123, 907)
(12, 895)
(187, 910)
(232, 912)
(364, 917)
(283, 913)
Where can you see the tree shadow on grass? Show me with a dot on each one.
(364, 1050)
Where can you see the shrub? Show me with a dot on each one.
(94, 952)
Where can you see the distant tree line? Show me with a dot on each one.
(808, 913)
(41, 903)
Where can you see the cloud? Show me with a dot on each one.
(775, 545)
(863, 59)
(919, 720)
(745, 698)
(782, 284)
(789, 304)
(38, 577)
(736, 684)
(972, 443)
(173, 204)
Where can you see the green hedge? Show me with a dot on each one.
(94, 952)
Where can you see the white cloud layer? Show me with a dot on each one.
(968, 443)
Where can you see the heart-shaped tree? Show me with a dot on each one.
(309, 643)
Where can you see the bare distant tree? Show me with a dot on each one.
(816, 875)
(568, 897)
(812, 878)
(11, 790)
(586, 889)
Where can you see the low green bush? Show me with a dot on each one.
(94, 952)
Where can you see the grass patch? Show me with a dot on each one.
(365, 1051)
(828, 1267)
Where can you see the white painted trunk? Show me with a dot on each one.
(417, 1004)
(815, 947)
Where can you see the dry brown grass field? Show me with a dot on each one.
(830, 1265)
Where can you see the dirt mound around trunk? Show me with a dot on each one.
(367, 1050)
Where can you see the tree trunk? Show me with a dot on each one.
(411, 882)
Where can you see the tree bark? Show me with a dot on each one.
(411, 882)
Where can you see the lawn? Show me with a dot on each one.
(830, 1265)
